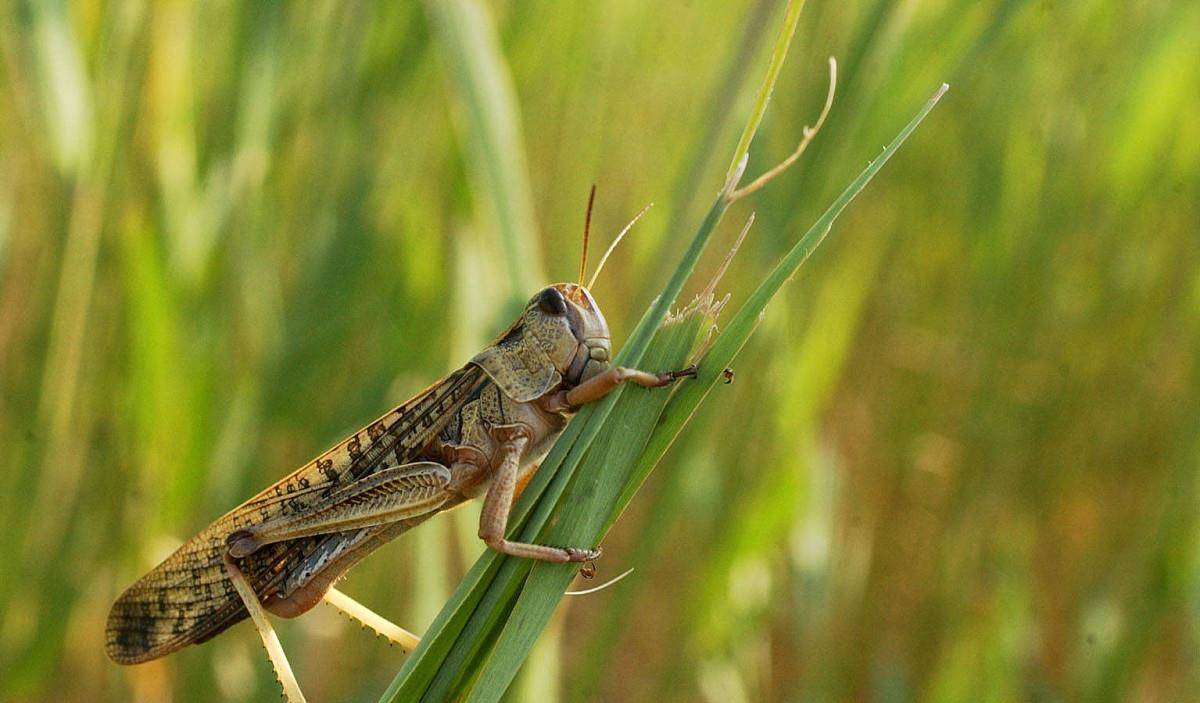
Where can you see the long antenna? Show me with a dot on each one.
(587, 228)
(615, 242)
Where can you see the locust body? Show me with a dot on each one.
(480, 432)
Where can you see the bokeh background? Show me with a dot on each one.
(959, 460)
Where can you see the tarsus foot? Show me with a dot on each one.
(689, 372)
(577, 554)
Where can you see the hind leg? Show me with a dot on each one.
(283, 670)
(381, 625)
(388, 495)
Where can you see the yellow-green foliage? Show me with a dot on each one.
(959, 457)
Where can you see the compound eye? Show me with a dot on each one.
(552, 302)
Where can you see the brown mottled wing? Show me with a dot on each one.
(188, 598)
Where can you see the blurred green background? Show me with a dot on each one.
(959, 460)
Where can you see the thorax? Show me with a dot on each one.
(469, 446)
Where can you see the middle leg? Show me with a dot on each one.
(493, 522)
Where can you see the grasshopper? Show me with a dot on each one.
(480, 432)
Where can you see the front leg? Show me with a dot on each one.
(493, 522)
(599, 386)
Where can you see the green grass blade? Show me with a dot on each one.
(778, 55)
(731, 339)
(600, 495)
